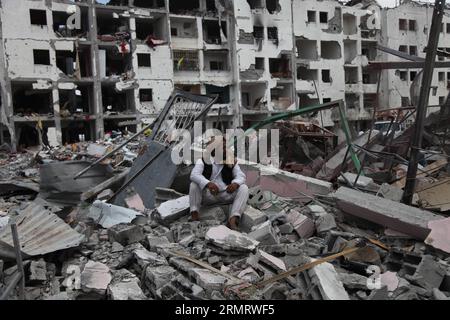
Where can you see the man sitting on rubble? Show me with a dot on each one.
(219, 183)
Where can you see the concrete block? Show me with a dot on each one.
(209, 280)
(391, 192)
(125, 286)
(157, 277)
(105, 195)
(145, 258)
(250, 218)
(322, 283)
(439, 236)
(249, 275)
(271, 261)
(317, 211)
(275, 291)
(116, 247)
(189, 288)
(380, 294)
(303, 225)
(38, 270)
(265, 234)
(286, 228)
(156, 242)
(126, 234)
(95, 277)
(385, 212)
(353, 281)
(172, 210)
(325, 223)
(227, 239)
(135, 202)
(429, 273)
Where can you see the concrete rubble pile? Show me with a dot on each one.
(396, 252)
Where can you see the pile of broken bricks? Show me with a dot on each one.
(136, 254)
(290, 229)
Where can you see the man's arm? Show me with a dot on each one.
(197, 175)
(238, 176)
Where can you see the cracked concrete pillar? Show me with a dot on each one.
(98, 103)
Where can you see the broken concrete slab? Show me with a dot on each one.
(303, 225)
(228, 239)
(172, 210)
(271, 261)
(285, 184)
(286, 228)
(429, 273)
(385, 212)
(249, 275)
(265, 234)
(188, 288)
(251, 218)
(105, 195)
(363, 182)
(135, 202)
(208, 280)
(155, 242)
(125, 234)
(158, 276)
(322, 283)
(108, 215)
(163, 195)
(325, 223)
(95, 277)
(317, 211)
(439, 236)
(145, 258)
(353, 281)
(391, 192)
(125, 286)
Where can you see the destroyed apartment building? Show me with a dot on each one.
(93, 207)
(76, 70)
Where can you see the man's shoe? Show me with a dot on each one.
(234, 223)
(195, 216)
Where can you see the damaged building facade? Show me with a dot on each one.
(75, 70)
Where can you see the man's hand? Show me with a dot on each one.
(213, 188)
(232, 188)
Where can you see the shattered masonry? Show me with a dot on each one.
(316, 228)
(118, 67)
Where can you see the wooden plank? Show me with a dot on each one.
(430, 169)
